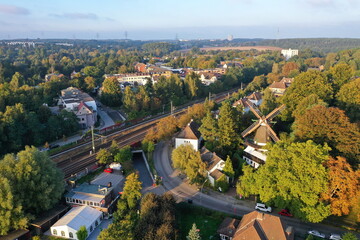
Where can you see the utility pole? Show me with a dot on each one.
(92, 137)
(171, 108)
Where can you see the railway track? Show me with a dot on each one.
(75, 160)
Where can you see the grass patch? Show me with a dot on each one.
(90, 176)
(206, 220)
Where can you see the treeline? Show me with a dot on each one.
(324, 45)
(25, 120)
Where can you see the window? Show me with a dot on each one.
(71, 235)
(96, 223)
(54, 232)
(91, 228)
(63, 233)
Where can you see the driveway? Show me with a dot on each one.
(103, 225)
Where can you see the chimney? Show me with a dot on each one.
(109, 185)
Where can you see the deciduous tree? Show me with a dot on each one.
(344, 186)
(330, 125)
(132, 190)
(348, 99)
(82, 233)
(104, 156)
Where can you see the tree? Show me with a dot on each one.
(293, 177)
(104, 156)
(82, 233)
(306, 104)
(269, 102)
(209, 128)
(17, 81)
(330, 125)
(90, 83)
(348, 99)
(111, 92)
(166, 127)
(11, 212)
(305, 84)
(30, 183)
(193, 85)
(36, 181)
(228, 168)
(340, 74)
(193, 233)
(124, 155)
(289, 67)
(344, 186)
(227, 134)
(189, 161)
(132, 188)
(349, 236)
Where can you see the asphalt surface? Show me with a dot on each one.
(144, 174)
(220, 202)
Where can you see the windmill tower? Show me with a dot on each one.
(254, 154)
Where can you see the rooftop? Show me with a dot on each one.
(92, 189)
(79, 216)
(191, 131)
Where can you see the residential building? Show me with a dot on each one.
(70, 223)
(81, 104)
(214, 165)
(255, 98)
(289, 53)
(209, 78)
(131, 78)
(140, 67)
(255, 226)
(279, 88)
(49, 76)
(189, 135)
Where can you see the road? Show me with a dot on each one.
(144, 174)
(183, 191)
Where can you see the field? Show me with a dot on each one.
(207, 221)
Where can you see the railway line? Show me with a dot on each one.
(76, 159)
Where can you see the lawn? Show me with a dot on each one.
(206, 220)
(90, 176)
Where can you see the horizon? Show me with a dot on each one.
(166, 20)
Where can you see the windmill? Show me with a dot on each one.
(254, 154)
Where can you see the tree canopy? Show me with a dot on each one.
(293, 180)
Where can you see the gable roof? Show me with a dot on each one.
(240, 102)
(85, 107)
(262, 226)
(280, 85)
(79, 216)
(191, 131)
(255, 96)
(210, 158)
(216, 174)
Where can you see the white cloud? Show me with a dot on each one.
(10, 9)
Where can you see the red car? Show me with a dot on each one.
(285, 212)
(108, 170)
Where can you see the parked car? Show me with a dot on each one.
(285, 212)
(334, 236)
(316, 233)
(263, 207)
(108, 170)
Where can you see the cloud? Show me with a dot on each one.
(10, 9)
(320, 3)
(91, 16)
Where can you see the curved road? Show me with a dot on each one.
(182, 191)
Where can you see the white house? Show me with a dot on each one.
(189, 135)
(289, 53)
(70, 223)
(214, 165)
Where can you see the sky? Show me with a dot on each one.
(185, 19)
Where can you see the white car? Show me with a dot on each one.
(316, 233)
(335, 237)
(263, 207)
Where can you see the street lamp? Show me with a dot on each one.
(202, 186)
